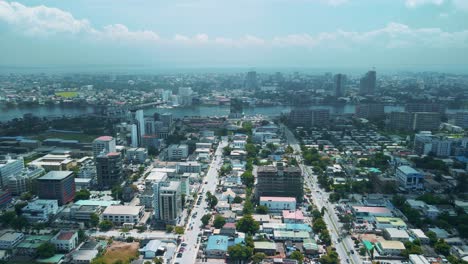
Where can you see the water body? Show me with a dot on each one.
(43, 111)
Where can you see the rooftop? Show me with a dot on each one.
(371, 209)
(396, 233)
(264, 245)
(390, 244)
(65, 235)
(10, 236)
(408, 170)
(217, 242)
(123, 210)
(96, 203)
(56, 175)
(293, 214)
(277, 199)
(104, 138)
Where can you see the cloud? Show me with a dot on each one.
(42, 20)
(416, 3)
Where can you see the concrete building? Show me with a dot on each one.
(137, 155)
(401, 121)
(461, 119)
(279, 181)
(390, 248)
(57, 185)
(9, 167)
(367, 83)
(251, 82)
(123, 214)
(426, 121)
(10, 240)
(109, 169)
(188, 167)
(170, 202)
(103, 145)
(156, 179)
(425, 107)
(278, 204)
(370, 111)
(177, 152)
(339, 82)
(65, 241)
(40, 210)
(409, 178)
(55, 162)
(24, 181)
(396, 234)
(309, 117)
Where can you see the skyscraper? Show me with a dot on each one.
(170, 202)
(251, 82)
(280, 182)
(367, 84)
(339, 85)
(109, 169)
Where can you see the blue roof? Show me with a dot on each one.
(408, 170)
(300, 227)
(217, 242)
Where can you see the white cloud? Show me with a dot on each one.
(415, 3)
(461, 4)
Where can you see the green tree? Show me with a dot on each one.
(81, 235)
(206, 219)
(237, 200)
(240, 252)
(82, 194)
(247, 178)
(19, 223)
(297, 255)
(248, 207)
(169, 228)
(247, 225)
(158, 260)
(442, 247)
(106, 225)
(179, 230)
(7, 218)
(46, 250)
(261, 209)
(26, 196)
(258, 257)
(19, 207)
(94, 220)
(219, 221)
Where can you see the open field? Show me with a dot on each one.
(67, 94)
(121, 251)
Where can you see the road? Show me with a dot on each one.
(194, 227)
(320, 199)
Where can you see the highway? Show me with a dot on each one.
(193, 228)
(320, 199)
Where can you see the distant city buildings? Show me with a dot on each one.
(251, 82)
(339, 82)
(370, 111)
(367, 83)
(9, 166)
(309, 117)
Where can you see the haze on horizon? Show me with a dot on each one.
(388, 34)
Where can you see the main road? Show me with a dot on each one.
(320, 198)
(193, 227)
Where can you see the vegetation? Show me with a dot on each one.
(106, 225)
(179, 230)
(46, 250)
(261, 209)
(247, 225)
(297, 255)
(219, 221)
(206, 219)
(211, 200)
(240, 252)
(82, 194)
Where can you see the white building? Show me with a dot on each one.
(103, 144)
(120, 214)
(177, 152)
(239, 144)
(9, 240)
(278, 204)
(170, 202)
(9, 167)
(137, 155)
(65, 241)
(21, 183)
(40, 210)
(409, 178)
(188, 167)
(396, 234)
(390, 248)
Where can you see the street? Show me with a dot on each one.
(320, 199)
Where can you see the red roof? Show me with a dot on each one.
(65, 235)
(293, 214)
(105, 138)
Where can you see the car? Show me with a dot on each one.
(184, 244)
(206, 182)
(352, 251)
(347, 260)
(179, 255)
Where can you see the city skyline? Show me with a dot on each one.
(407, 35)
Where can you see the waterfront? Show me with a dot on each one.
(44, 111)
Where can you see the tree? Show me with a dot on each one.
(19, 207)
(247, 178)
(206, 219)
(158, 260)
(237, 200)
(319, 225)
(289, 150)
(248, 207)
(105, 225)
(219, 221)
(94, 220)
(179, 230)
(432, 237)
(240, 252)
(81, 235)
(169, 228)
(82, 194)
(7, 218)
(46, 250)
(211, 200)
(227, 151)
(258, 257)
(261, 209)
(247, 225)
(297, 255)
(442, 247)
(26, 196)
(19, 223)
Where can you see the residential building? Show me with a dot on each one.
(425, 107)
(409, 178)
(137, 155)
(170, 202)
(65, 241)
(426, 121)
(293, 216)
(236, 110)
(24, 181)
(367, 83)
(251, 82)
(30, 244)
(217, 246)
(9, 240)
(103, 145)
(370, 111)
(266, 247)
(339, 85)
(279, 181)
(461, 119)
(57, 185)
(390, 248)
(123, 214)
(401, 121)
(177, 152)
(188, 167)
(156, 179)
(369, 212)
(9, 166)
(309, 117)
(109, 169)
(40, 210)
(278, 204)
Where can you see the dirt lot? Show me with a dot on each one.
(121, 251)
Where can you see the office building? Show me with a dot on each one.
(461, 119)
(425, 143)
(109, 169)
(134, 135)
(166, 119)
(57, 185)
(170, 202)
(370, 111)
(339, 82)
(309, 117)
(9, 167)
(409, 178)
(401, 121)
(10, 240)
(137, 155)
(156, 179)
(425, 107)
(123, 214)
(23, 182)
(65, 241)
(251, 82)
(279, 181)
(367, 83)
(103, 145)
(177, 152)
(426, 121)
(40, 210)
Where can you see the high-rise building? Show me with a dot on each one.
(320, 117)
(134, 135)
(158, 179)
(461, 119)
(109, 169)
(9, 167)
(367, 83)
(425, 107)
(185, 95)
(166, 119)
(251, 82)
(370, 111)
(140, 121)
(279, 181)
(103, 144)
(426, 121)
(426, 143)
(236, 109)
(401, 121)
(339, 84)
(309, 117)
(170, 202)
(57, 185)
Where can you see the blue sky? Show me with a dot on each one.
(243, 33)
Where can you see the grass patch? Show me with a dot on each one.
(84, 138)
(67, 94)
(125, 252)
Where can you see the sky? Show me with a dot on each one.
(393, 34)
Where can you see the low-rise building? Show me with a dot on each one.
(217, 246)
(65, 241)
(409, 178)
(177, 152)
(266, 247)
(9, 240)
(396, 234)
(122, 214)
(137, 155)
(390, 248)
(419, 235)
(293, 216)
(278, 204)
(40, 210)
(389, 222)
